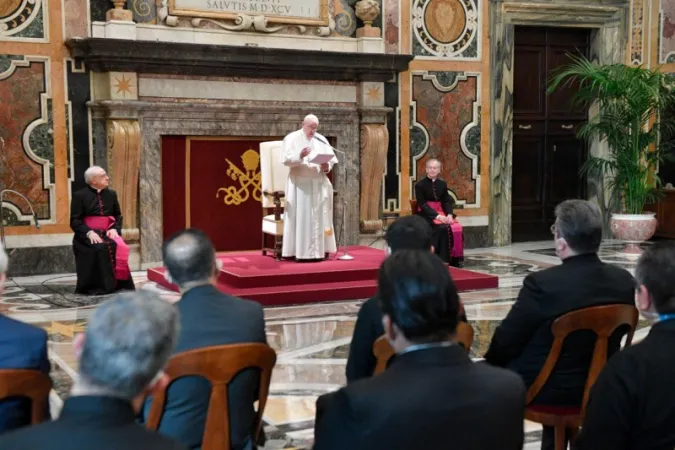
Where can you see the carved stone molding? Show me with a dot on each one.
(124, 159)
(123, 55)
(589, 15)
(374, 143)
(242, 22)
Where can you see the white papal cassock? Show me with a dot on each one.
(308, 210)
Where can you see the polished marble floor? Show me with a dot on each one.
(311, 341)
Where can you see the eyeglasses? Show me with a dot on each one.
(553, 229)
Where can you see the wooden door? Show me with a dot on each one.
(547, 155)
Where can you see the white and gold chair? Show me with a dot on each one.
(273, 175)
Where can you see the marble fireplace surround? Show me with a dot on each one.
(157, 119)
(608, 20)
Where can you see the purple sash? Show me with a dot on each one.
(104, 223)
(457, 250)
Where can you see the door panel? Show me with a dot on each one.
(528, 179)
(565, 155)
(529, 90)
(547, 155)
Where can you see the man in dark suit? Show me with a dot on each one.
(523, 340)
(631, 403)
(22, 346)
(408, 232)
(208, 318)
(435, 206)
(127, 344)
(432, 395)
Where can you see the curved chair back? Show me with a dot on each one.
(31, 384)
(383, 350)
(603, 321)
(219, 365)
(273, 173)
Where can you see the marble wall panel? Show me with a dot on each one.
(446, 29)
(667, 29)
(79, 152)
(23, 20)
(75, 18)
(41, 261)
(97, 9)
(25, 127)
(391, 25)
(446, 127)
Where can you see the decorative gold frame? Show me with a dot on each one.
(323, 20)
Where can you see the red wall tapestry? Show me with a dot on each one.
(219, 192)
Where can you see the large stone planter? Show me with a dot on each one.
(633, 229)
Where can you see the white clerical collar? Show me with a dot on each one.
(416, 347)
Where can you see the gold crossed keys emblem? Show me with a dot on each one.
(248, 179)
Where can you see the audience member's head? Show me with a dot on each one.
(409, 233)
(433, 168)
(4, 264)
(128, 342)
(577, 228)
(418, 297)
(96, 177)
(190, 258)
(654, 274)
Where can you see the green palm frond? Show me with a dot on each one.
(629, 98)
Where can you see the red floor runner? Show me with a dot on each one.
(261, 278)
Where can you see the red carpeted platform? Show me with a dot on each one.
(261, 278)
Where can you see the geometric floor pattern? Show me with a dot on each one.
(311, 340)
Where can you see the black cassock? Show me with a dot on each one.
(427, 190)
(95, 263)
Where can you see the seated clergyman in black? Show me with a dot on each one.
(432, 395)
(101, 256)
(631, 403)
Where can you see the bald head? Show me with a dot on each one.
(189, 257)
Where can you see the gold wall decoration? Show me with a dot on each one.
(374, 143)
(249, 180)
(124, 160)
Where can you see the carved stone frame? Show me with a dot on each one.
(157, 119)
(608, 20)
(323, 19)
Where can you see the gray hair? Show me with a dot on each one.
(432, 160)
(579, 222)
(129, 340)
(311, 118)
(4, 261)
(91, 172)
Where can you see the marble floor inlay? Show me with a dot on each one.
(311, 340)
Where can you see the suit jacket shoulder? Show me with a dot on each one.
(15, 330)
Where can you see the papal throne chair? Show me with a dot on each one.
(273, 176)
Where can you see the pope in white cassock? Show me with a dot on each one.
(308, 212)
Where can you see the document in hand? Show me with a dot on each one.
(321, 158)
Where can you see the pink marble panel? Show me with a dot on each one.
(77, 22)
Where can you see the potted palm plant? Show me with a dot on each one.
(629, 120)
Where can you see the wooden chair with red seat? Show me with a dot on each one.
(219, 365)
(604, 321)
(32, 384)
(383, 350)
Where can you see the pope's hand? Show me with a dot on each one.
(112, 233)
(325, 167)
(305, 151)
